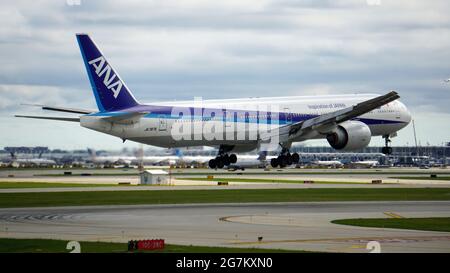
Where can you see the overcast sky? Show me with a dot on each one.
(177, 50)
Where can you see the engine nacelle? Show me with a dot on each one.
(350, 136)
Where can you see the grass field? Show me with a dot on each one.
(262, 180)
(445, 178)
(430, 224)
(45, 199)
(59, 246)
(25, 185)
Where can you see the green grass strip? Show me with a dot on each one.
(445, 178)
(59, 246)
(45, 199)
(27, 185)
(263, 180)
(430, 224)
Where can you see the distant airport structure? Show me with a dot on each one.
(309, 156)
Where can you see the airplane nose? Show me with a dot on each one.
(406, 115)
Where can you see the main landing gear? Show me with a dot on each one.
(223, 159)
(285, 159)
(386, 149)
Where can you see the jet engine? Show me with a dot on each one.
(350, 136)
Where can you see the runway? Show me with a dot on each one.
(300, 226)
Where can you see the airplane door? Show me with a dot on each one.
(288, 115)
(162, 124)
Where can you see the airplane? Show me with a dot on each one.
(191, 160)
(347, 122)
(15, 161)
(28, 162)
(113, 160)
(328, 163)
(366, 163)
(249, 161)
(176, 159)
(157, 160)
(108, 159)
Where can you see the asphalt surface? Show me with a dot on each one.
(300, 226)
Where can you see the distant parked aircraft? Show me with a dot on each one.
(328, 163)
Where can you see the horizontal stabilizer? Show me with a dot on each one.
(62, 109)
(50, 118)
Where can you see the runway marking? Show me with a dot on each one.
(353, 240)
(353, 247)
(288, 220)
(227, 218)
(393, 215)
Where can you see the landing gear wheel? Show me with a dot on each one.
(386, 150)
(212, 164)
(220, 163)
(295, 158)
(274, 162)
(233, 158)
(288, 158)
(282, 161)
(226, 160)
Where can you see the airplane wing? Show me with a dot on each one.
(327, 121)
(50, 118)
(62, 109)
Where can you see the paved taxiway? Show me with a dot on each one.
(302, 226)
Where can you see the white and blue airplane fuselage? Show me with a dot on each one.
(156, 128)
(234, 125)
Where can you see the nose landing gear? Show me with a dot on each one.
(386, 149)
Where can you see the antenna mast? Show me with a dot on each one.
(415, 137)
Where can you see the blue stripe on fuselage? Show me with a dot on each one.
(166, 112)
